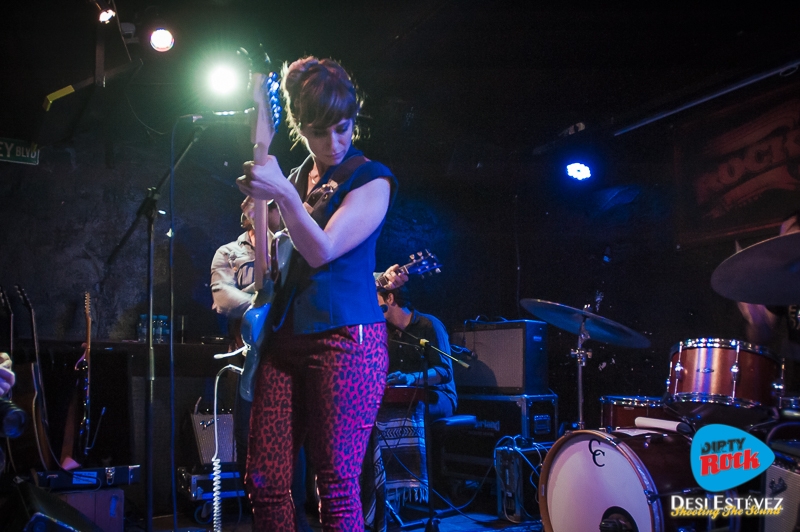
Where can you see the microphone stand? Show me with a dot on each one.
(432, 524)
(148, 209)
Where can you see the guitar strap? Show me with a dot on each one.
(319, 197)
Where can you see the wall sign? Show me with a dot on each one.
(738, 170)
(18, 151)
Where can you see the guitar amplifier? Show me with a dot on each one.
(203, 430)
(509, 358)
(782, 479)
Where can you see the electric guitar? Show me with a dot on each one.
(268, 273)
(6, 305)
(84, 367)
(423, 262)
(38, 402)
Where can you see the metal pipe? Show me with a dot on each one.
(758, 77)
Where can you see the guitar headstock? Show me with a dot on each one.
(266, 94)
(24, 297)
(87, 305)
(423, 262)
(4, 301)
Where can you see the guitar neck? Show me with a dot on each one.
(262, 237)
(7, 307)
(261, 133)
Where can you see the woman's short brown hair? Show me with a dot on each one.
(318, 92)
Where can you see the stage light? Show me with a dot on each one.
(579, 171)
(224, 80)
(106, 11)
(162, 40)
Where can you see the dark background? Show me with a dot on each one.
(466, 101)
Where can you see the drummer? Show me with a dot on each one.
(765, 325)
(407, 327)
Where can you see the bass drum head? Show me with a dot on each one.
(587, 478)
(625, 478)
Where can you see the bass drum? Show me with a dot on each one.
(625, 478)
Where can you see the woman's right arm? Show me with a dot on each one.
(360, 214)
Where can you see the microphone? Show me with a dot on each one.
(384, 308)
(228, 117)
(461, 350)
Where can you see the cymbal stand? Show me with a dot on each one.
(580, 355)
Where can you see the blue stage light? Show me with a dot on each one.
(579, 171)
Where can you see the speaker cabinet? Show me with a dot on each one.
(29, 508)
(508, 358)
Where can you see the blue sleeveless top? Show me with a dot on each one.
(341, 292)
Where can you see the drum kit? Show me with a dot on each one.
(640, 456)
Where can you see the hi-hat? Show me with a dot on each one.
(570, 319)
(767, 273)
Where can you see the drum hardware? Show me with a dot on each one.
(580, 355)
(587, 326)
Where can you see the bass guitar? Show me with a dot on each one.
(268, 272)
(422, 263)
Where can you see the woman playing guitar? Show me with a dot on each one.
(323, 366)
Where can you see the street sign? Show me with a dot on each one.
(18, 151)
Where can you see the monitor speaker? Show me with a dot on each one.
(508, 357)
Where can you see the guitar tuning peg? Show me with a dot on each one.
(411, 256)
(438, 270)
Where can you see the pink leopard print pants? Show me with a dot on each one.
(322, 389)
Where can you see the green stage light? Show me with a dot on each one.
(224, 80)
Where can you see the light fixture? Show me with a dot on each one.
(106, 11)
(579, 171)
(161, 39)
(223, 79)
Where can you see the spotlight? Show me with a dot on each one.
(224, 80)
(579, 171)
(106, 11)
(162, 40)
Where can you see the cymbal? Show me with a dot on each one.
(570, 319)
(767, 273)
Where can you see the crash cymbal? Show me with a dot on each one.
(570, 319)
(767, 273)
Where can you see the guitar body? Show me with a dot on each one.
(257, 320)
(254, 332)
(37, 401)
(32, 449)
